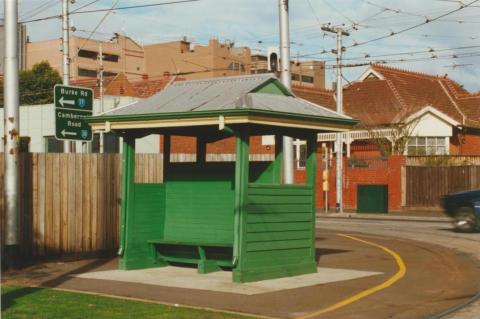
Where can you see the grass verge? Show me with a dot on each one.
(26, 302)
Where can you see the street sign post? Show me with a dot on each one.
(71, 104)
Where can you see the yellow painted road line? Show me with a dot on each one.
(402, 269)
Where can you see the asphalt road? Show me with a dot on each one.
(436, 233)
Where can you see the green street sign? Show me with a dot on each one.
(70, 126)
(71, 105)
(73, 97)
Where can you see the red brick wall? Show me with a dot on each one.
(389, 174)
(186, 144)
(464, 143)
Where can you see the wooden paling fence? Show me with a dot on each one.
(426, 185)
(70, 203)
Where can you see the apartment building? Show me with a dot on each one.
(304, 73)
(120, 55)
(196, 62)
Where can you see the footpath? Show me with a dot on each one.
(418, 216)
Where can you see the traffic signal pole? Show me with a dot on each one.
(11, 134)
(286, 79)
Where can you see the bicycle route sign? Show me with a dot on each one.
(72, 103)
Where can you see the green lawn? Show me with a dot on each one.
(25, 302)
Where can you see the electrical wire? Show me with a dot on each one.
(116, 9)
(84, 6)
(95, 29)
(463, 6)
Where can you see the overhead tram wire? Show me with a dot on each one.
(84, 6)
(414, 26)
(95, 29)
(41, 8)
(357, 44)
(116, 9)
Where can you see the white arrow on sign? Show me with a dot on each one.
(68, 133)
(63, 101)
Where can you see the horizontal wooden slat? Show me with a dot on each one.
(270, 227)
(279, 218)
(278, 245)
(262, 199)
(272, 236)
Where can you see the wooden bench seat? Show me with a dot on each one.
(205, 264)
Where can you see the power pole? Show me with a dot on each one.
(101, 137)
(11, 133)
(67, 145)
(286, 79)
(339, 92)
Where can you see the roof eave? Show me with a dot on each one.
(204, 118)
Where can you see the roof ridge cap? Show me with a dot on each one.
(407, 71)
(228, 78)
(397, 95)
(457, 107)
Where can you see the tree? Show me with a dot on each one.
(36, 85)
(396, 142)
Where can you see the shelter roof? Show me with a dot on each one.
(259, 94)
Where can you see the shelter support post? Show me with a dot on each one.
(128, 180)
(166, 155)
(278, 161)
(241, 187)
(311, 168)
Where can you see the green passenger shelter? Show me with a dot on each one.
(221, 215)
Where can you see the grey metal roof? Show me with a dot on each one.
(224, 93)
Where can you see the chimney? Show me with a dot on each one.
(334, 85)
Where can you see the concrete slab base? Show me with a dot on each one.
(188, 278)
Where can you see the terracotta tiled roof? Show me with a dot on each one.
(119, 85)
(147, 88)
(379, 102)
(321, 97)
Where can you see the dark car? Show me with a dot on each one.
(464, 207)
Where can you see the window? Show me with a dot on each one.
(24, 144)
(307, 79)
(111, 143)
(235, 66)
(52, 145)
(300, 153)
(108, 73)
(86, 72)
(427, 146)
(110, 57)
(87, 54)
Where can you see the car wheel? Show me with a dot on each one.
(465, 219)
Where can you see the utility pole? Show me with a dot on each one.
(339, 92)
(100, 73)
(67, 145)
(286, 79)
(11, 133)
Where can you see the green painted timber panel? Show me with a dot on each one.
(200, 202)
(145, 221)
(277, 238)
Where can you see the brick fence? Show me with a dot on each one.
(369, 171)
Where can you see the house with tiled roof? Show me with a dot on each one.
(435, 113)
(120, 85)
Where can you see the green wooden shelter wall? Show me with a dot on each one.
(277, 233)
(144, 222)
(200, 202)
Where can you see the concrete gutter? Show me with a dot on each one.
(417, 217)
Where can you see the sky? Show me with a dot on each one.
(449, 45)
